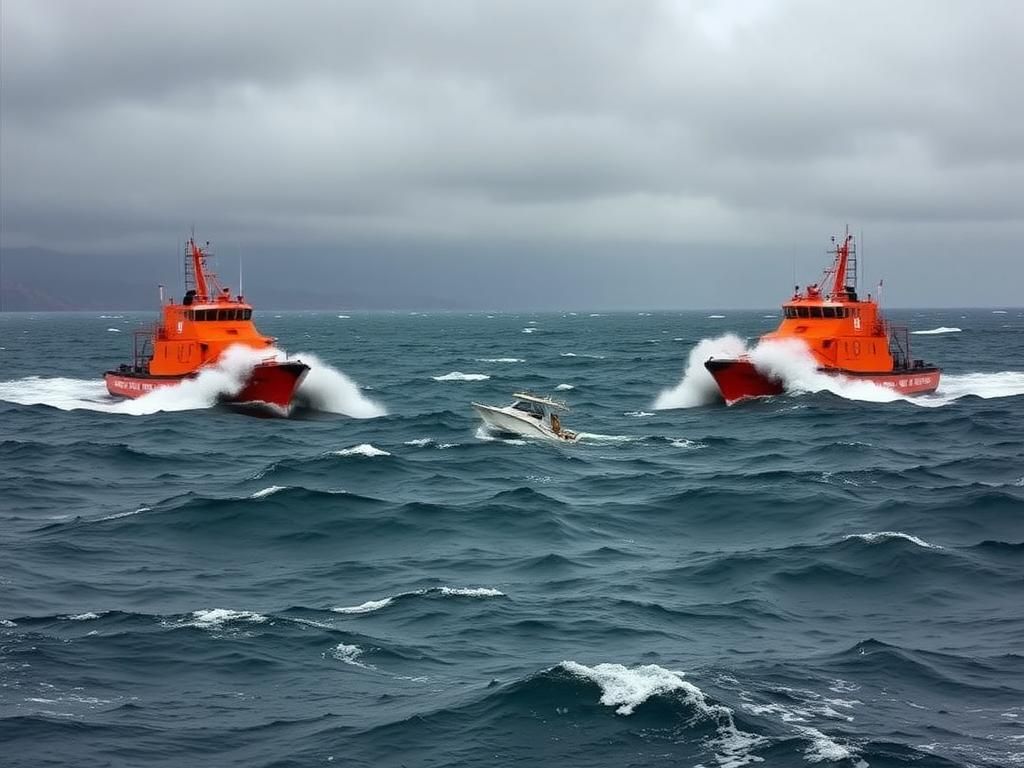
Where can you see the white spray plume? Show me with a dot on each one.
(324, 388)
(697, 387)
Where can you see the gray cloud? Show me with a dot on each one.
(563, 129)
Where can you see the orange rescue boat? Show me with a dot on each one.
(192, 335)
(847, 335)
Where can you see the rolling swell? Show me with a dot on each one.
(838, 580)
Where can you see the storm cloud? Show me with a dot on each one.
(663, 153)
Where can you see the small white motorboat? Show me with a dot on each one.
(528, 416)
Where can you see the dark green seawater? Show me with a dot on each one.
(822, 578)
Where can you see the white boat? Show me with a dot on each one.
(528, 416)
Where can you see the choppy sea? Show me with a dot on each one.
(832, 577)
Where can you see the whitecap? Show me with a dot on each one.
(564, 387)
(87, 616)
(627, 688)
(934, 331)
(214, 618)
(117, 515)
(638, 414)
(471, 592)
(529, 330)
(999, 312)
(344, 317)
(823, 748)
(371, 606)
(877, 536)
(264, 492)
(368, 607)
(113, 330)
(684, 443)
(363, 449)
(716, 317)
(460, 376)
(349, 654)
(7, 623)
(420, 442)
(500, 360)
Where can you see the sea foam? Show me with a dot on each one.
(790, 361)
(460, 376)
(324, 388)
(363, 449)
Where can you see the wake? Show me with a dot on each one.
(324, 388)
(790, 361)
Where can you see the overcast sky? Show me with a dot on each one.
(646, 153)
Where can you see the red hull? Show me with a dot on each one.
(739, 379)
(272, 382)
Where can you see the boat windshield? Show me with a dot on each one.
(534, 409)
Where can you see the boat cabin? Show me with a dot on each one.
(197, 331)
(543, 409)
(841, 329)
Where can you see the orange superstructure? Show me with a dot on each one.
(196, 333)
(206, 322)
(846, 334)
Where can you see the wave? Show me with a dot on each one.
(934, 331)
(986, 386)
(564, 387)
(371, 606)
(460, 376)
(324, 388)
(363, 449)
(264, 492)
(873, 537)
(217, 618)
(349, 654)
(627, 688)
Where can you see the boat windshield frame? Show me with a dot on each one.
(530, 408)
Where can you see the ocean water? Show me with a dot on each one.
(832, 577)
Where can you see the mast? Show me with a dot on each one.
(842, 258)
(199, 270)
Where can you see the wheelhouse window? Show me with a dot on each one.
(526, 406)
(802, 312)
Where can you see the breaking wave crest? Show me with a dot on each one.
(935, 331)
(371, 606)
